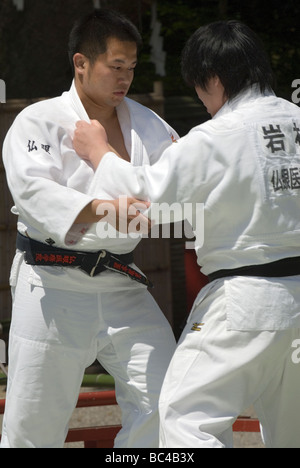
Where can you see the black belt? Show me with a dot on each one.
(278, 269)
(93, 263)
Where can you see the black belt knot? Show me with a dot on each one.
(93, 263)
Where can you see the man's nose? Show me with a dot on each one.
(125, 77)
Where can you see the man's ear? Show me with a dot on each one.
(80, 63)
(216, 81)
(218, 85)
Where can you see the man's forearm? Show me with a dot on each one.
(89, 213)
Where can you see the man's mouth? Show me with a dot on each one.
(120, 93)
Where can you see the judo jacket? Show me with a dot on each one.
(50, 184)
(243, 168)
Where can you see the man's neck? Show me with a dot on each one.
(104, 113)
(107, 116)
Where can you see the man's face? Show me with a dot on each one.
(107, 81)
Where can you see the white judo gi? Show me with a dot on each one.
(63, 319)
(238, 344)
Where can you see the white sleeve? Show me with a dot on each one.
(180, 176)
(33, 164)
(162, 142)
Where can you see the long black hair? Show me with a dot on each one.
(229, 50)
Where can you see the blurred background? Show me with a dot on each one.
(34, 36)
(34, 65)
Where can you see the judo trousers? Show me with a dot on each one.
(56, 334)
(217, 373)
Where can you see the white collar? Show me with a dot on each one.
(79, 107)
(123, 115)
(249, 94)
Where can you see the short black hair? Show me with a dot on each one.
(229, 50)
(89, 34)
